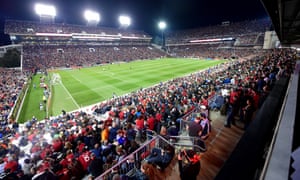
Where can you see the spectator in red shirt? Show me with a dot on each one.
(85, 159)
(57, 145)
(139, 125)
(80, 146)
(151, 122)
(11, 165)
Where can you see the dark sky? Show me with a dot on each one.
(145, 14)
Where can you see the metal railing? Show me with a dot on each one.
(135, 158)
(195, 143)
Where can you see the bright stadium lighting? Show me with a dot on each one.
(45, 10)
(162, 26)
(91, 16)
(124, 20)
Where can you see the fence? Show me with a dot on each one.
(133, 161)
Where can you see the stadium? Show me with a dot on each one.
(95, 102)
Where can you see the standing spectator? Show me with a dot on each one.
(194, 127)
(206, 128)
(139, 125)
(248, 111)
(195, 130)
(233, 110)
(190, 170)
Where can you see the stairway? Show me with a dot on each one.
(220, 144)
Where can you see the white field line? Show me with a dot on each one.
(70, 95)
(76, 79)
(88, 108)
(108, 72)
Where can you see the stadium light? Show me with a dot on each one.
(124, 20)
(91, 16)
(162, 26)
(45, 10)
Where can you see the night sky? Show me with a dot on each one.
(145, 14)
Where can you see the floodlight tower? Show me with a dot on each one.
(162, 26)
(47, 13)
(124, 21)
(92, 17)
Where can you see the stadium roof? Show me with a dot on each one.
(285, 15)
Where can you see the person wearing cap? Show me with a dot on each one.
(191, 169)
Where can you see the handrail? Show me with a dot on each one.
(158, 140)
(192, 139)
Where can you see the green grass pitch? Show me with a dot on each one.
(87, 86)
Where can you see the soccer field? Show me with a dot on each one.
(87, 86)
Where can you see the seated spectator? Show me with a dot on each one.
(217, 104)
(130, 132)
(144, 173)
(95, 167)
(113, 132)
(11, 166)
(164, 132)
(45, 174)
(160, 157)
(27, 166)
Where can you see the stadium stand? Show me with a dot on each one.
(68, 145)
(66, 56)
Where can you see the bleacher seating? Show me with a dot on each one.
(74, 134)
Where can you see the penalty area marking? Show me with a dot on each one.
(70, 95)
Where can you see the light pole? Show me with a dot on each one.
(162, 26)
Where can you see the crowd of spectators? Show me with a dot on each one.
(11, 84)
(55, 56)
(71, 144)
(75, 144)
(31, 27)
(243, 35)
(211, 51)
(233, 30)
